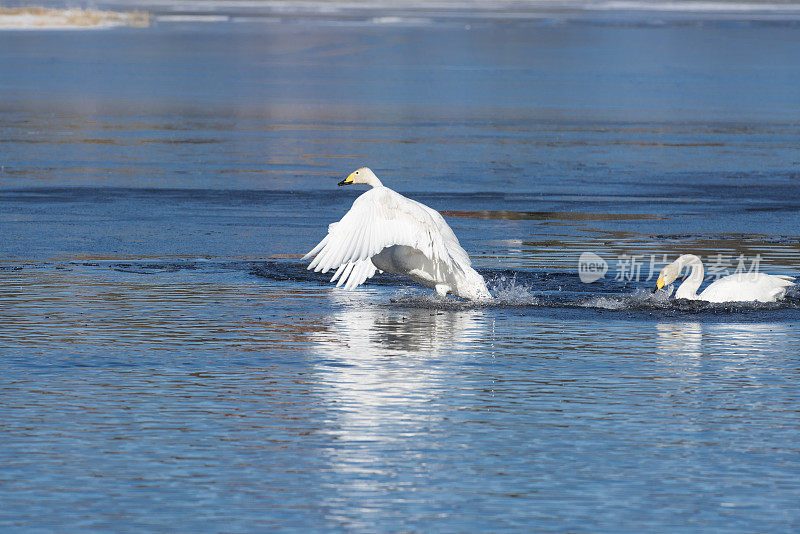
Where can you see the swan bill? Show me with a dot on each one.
(660, 282)
(349, 179)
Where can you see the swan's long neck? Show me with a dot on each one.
(373, 181)
(688, 289)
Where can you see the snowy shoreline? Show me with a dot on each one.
(68, 19)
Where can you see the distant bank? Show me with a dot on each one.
(97, 14)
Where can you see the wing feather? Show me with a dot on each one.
(338, 272)
(365, 269)
(357, 239)
(354, 275)
(316, 249)
(347, 270)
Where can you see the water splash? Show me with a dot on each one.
(639, 299)
(506, 290)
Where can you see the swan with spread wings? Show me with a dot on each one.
(385, 231)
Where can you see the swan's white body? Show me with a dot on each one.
(385, 231)
(740, 287)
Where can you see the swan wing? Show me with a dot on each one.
(378, 219)
(354, 273)
(748, 287)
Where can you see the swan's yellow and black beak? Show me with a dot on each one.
(348, 180)
(660, 282)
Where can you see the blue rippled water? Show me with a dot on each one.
(168, 363)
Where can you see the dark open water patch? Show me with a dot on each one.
(521, 290)
(543, 289)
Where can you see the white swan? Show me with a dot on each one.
(386, 231)
(740, 287)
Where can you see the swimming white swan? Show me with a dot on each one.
(738, 287)
(385, 231)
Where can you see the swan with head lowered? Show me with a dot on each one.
(385, 231)
(740, 287)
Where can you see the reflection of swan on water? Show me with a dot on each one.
(679, 339)
(388, 232)
(741, 287)
(385, 377)
(750, 340)
(382, 366)
(366, 334)
(723, 339)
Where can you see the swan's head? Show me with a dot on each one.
(668, 274)
(671, 272)
(364, 175)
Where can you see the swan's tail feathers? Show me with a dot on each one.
(776, 294)
(783, 282)
(315, 250)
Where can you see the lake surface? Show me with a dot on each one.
(168, 363)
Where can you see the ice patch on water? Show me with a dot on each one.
(192, 18)
(398, 21)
